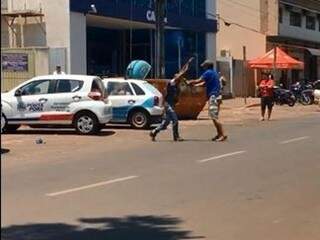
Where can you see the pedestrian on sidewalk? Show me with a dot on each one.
(171, 99)
(223, 83)
(58, 71)
(210, 79)
(266, 94)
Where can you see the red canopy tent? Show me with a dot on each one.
(282, 61)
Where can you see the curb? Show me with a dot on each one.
(253, 105)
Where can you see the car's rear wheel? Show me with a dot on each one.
(139, 119)
(86, 123)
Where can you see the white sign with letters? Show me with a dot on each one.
(151, 16)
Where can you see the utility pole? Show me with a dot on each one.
(274, 71)
(160, 12)
(244, 75)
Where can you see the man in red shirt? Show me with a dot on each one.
(266, 94)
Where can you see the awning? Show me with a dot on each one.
(283, 61)
(314, 51)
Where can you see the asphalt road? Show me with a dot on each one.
(264, 183)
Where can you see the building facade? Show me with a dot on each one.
(299, 35)
(243, 24)
(102, 37)
(260, 25)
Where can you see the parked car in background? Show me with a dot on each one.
(134, 101)
(76, 100)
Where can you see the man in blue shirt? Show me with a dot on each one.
(210, 79)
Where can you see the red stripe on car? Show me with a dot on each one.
(56, 117)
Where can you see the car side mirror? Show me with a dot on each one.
(18, 93)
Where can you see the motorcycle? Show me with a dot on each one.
(316, 91)
(283, 96)
(303, 92)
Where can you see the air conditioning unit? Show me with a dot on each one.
(225, 53)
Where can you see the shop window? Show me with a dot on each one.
(295, 19)
(310, 22)
(280, 15)
(200, 8)
(142, 3)
(173, 6)
(187, 7)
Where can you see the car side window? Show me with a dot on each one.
(119, 89)
(37, 88)
(138, 89)
(68, 86)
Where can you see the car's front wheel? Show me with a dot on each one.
(3, 122)
(86, 123)
(139, 119)
(12, 128)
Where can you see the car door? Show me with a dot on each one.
(67, 91)
(32, 99)
(122, 99)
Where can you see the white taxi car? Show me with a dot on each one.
(134, 101)
(76, 100)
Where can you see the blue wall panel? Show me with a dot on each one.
(137, 12)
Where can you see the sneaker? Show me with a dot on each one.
(153, 136)
(215, 138)
(222, 139)
(179, 139)
(262, 119)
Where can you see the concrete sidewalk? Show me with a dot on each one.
(235, 111)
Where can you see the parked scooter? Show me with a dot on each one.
(283, 96)
(303, 92)
(316, 90)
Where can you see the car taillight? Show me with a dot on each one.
(156, 101)
(97, 96)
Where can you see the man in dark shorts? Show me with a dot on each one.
(266, 94)
(210, 79)
(172, 95)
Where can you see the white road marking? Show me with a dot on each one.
(294, 140)
(221, 156)
(90, 186)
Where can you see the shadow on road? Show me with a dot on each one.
(4, 150)
(186, 140)
(128, 228)
(56, 132)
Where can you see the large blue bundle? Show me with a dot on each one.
(138, 69)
